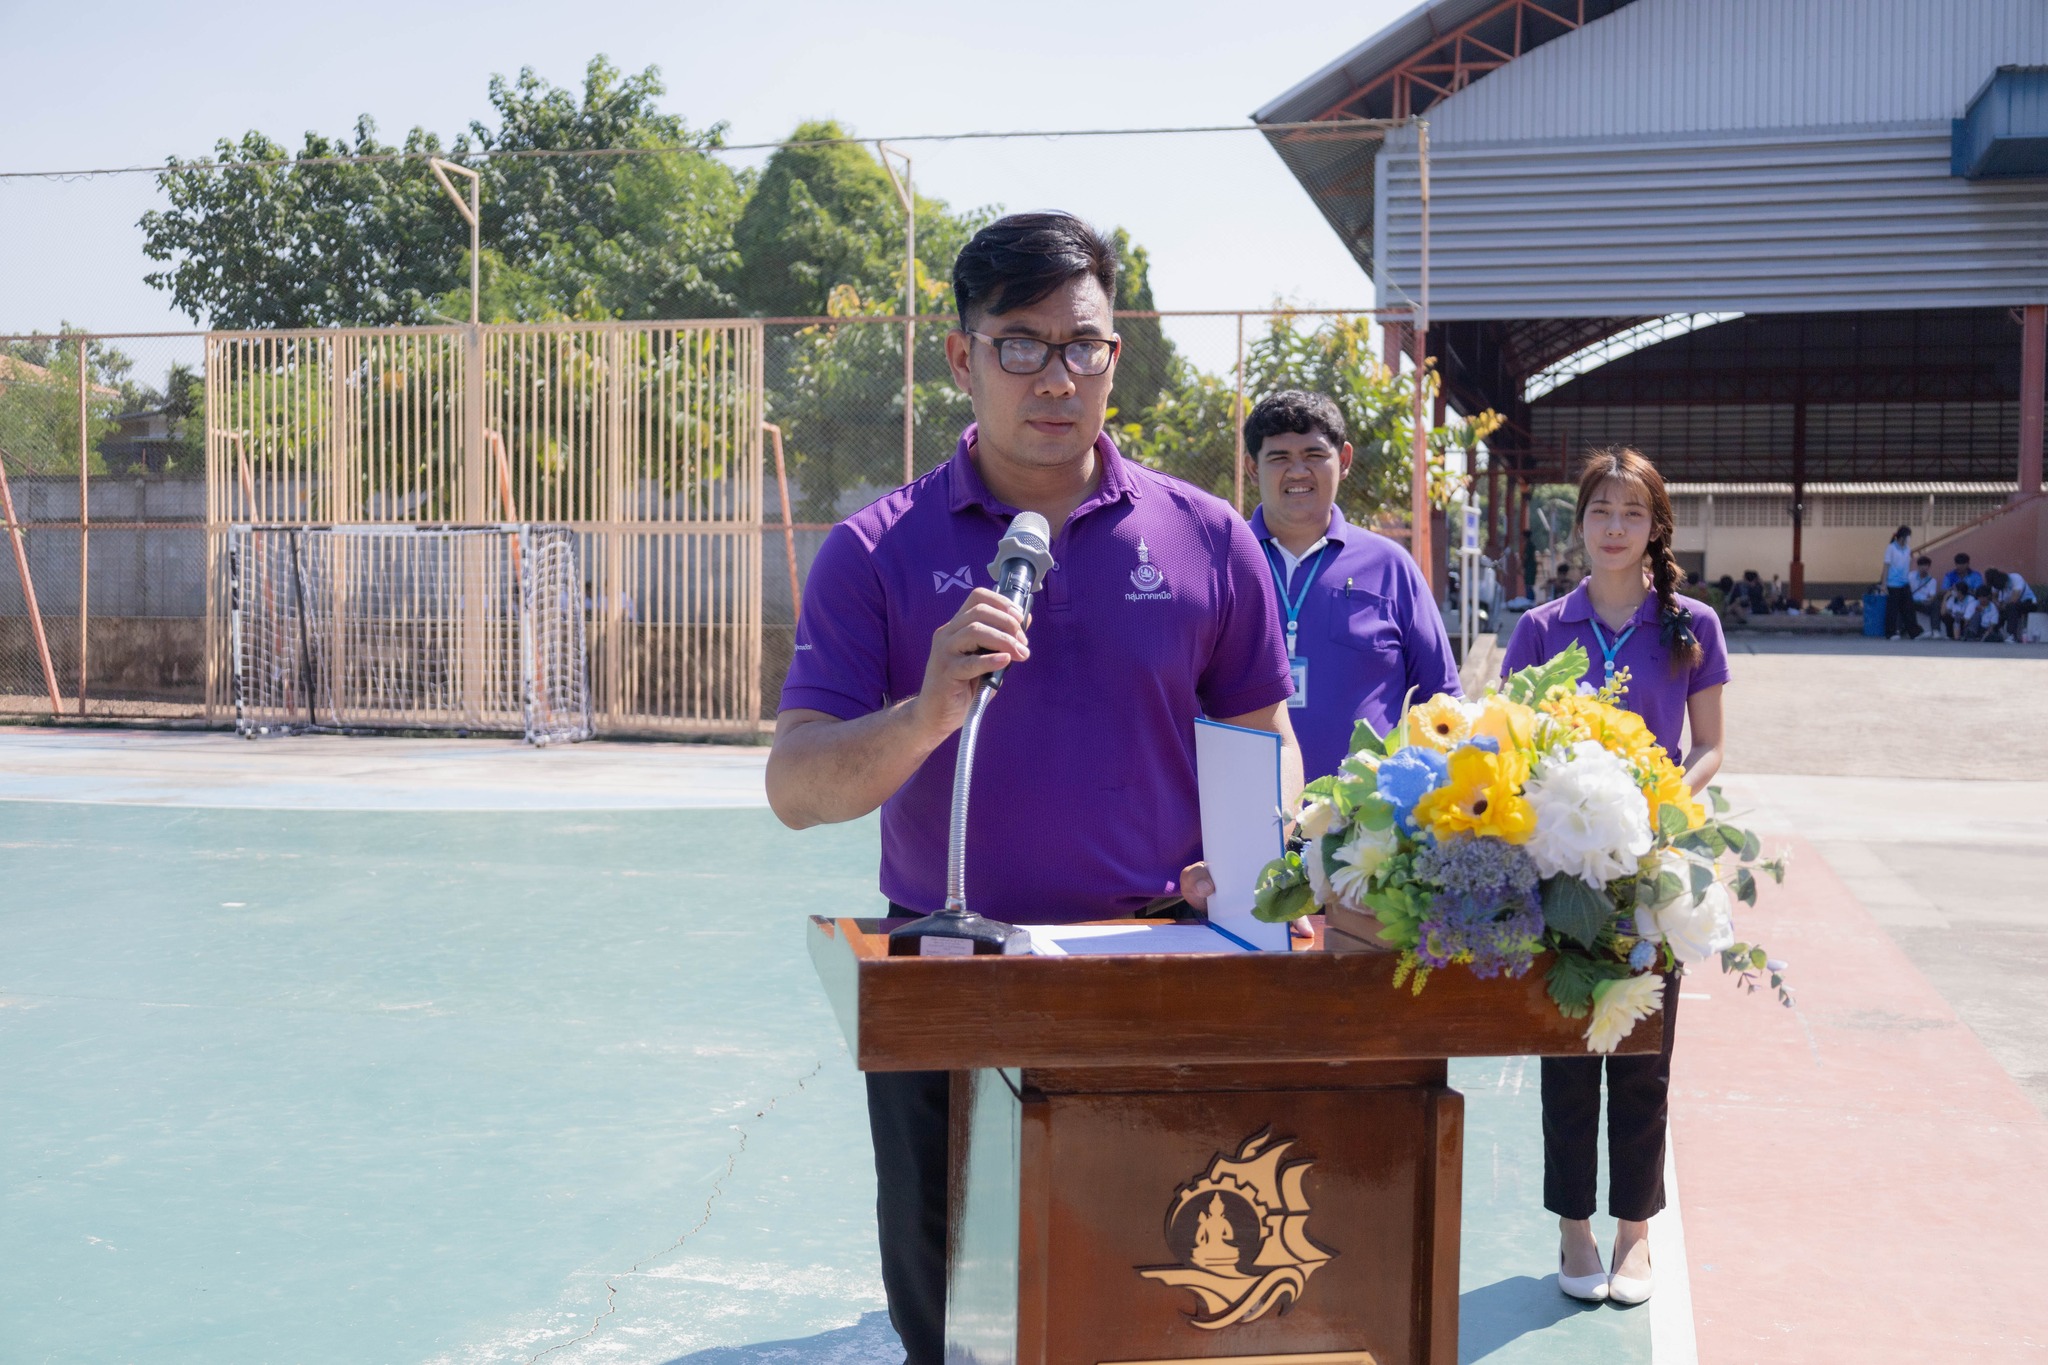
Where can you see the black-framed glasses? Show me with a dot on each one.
(1085, 357)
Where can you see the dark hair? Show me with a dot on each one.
(1996, 578)
(1923, 559)
(1629, 466)
(1294, 411)
(1962, 559)
(1018, 260)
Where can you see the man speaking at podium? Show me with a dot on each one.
(1159, 609)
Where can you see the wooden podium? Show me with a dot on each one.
(1170, 1158)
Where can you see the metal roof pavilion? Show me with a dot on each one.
(1594, 165)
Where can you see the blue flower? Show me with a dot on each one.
(1409, 775)
(1642, 956)
(1486, 742)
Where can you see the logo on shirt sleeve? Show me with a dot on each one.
(962, 577)
(1147, 578)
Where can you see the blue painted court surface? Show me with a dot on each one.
(349, 1086)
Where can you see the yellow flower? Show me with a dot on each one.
(1621, 733)
(1507, 723)
(1481, 798)
(1663, 783)
(1440, 723)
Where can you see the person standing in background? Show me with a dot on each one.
(1627, 615)
(1898, 587)
(1363, 629)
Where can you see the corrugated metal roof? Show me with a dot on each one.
(1759, 222)
(1662, 67)
(1374, 57)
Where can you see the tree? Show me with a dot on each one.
(39, 427)
(1190, 429)
(314, 242)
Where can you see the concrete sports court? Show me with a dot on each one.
(418, 1051)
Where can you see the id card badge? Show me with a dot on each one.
(1299, 668)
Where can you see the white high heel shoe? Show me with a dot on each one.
(1629, 1292)
(1585, 1288)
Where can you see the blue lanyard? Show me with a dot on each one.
(1293, 608)
(1609, 651)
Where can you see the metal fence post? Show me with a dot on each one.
(1237, 427)
(84, 515)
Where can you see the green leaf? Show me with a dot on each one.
(1571, 979)
(1759, 959)
(1720, 801)
(1574, 909)
(1705, 841)
(1374, 813)
(1751, 846)
(1322, 786)
(1365, 739)
(1745, 886)
(1702, 878)
(1534, 684)
(1671, 821)
(1669, 888)
(1276, 904)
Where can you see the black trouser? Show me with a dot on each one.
(907, 1119)
(1638, 1108)
(1898, 613)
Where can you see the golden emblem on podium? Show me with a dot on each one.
(1240, 1230)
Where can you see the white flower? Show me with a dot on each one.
(1318, 877)
(1617, 1005)
(1696, 929)
(1591, 819)
(1358, 858)
(1318, 816)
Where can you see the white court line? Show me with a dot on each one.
(1672, 1338)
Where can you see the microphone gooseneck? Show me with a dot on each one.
(1022, 560)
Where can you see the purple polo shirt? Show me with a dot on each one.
(1370, 631)
(1159, 609)
(1656, 691)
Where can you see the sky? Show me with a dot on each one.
(125, 83)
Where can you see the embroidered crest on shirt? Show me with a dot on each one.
(1146, 578)
(962, 577)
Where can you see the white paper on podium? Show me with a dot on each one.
(1238, 772)
(1119, 940)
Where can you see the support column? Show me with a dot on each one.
(1393, 340)
(1796, 588)
(1418, 484)
(1493, 517)
(2033, 361)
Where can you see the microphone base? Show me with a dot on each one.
(951, 933)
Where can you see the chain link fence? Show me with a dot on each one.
(114, 543)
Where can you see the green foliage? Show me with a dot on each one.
(1534, 684)
(1575, 910)
(1572, 977)
(314, 243)
(39, 429)
(1283, 892)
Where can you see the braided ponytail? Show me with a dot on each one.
(1674, 622)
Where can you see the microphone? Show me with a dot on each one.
(1022, 560)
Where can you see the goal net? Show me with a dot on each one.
(343, 628)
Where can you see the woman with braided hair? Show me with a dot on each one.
(1630, 618)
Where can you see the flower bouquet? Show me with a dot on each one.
(1542, 817)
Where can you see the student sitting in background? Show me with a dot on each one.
(1962, 573)
(1988, 620)
(2015, 602)
(1926, 589)
(1958, 605)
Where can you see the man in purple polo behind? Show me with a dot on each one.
(1363, 627)
(1159, 609)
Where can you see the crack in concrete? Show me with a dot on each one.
(611, 1297)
